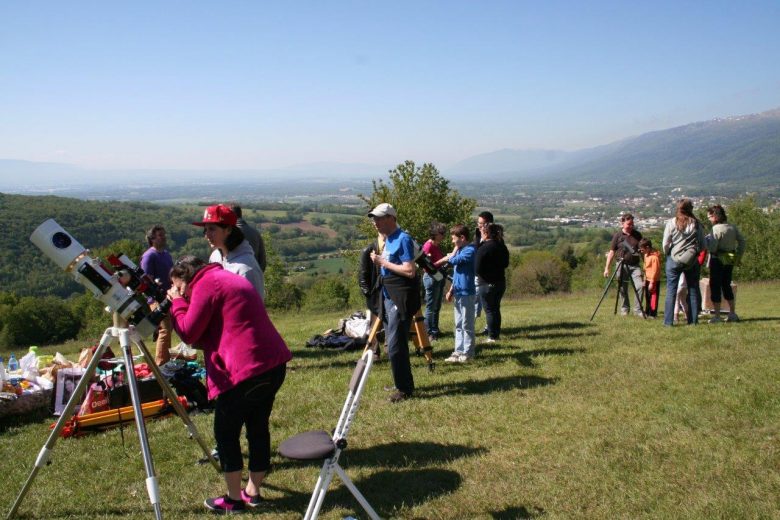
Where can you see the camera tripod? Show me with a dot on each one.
(624, 276)
(126, 336)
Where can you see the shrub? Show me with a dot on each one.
(328, 294)
(539, 273)
(39, 321)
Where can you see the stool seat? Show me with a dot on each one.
(311, 445)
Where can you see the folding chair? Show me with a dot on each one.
(319, 445)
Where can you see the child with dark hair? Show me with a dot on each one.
(462, 292)
(652, 289)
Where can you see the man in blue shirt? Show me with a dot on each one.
(157, 263)
(400, 294)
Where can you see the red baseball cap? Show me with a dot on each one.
(219, 214)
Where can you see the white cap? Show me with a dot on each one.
(383, 210)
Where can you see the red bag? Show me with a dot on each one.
(97, 399)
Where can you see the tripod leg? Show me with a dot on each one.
(604, 294)
(152, 487)
(420, 338)
(173, 399)
(75, 399)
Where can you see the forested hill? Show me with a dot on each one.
(25, 270)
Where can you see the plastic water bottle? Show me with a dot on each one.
(13, 364)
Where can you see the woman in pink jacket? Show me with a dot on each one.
(246, 358)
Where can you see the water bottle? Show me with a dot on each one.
(13, 364)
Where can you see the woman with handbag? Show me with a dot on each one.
(726, 246)
(682, 241)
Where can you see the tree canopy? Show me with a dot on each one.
(420, 195)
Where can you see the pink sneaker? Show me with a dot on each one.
(225, 505)
(251, 500)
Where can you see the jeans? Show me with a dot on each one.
(434, 292)
(397, 339)
(673, 273)
(464, 324)
(491, 294)
(720, 280)
(636, 277)
(248, 403)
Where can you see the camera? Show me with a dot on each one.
(121, 285)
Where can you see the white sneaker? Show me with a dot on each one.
(454, 358)
(464, 359)
(490, 340)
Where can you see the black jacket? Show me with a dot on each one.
(368, 280)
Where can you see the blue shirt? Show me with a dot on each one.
(463, 278)
(399, 248)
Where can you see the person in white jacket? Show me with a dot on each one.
(231, 249)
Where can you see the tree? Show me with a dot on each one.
(420, 195)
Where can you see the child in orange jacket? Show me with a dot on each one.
(652, 276)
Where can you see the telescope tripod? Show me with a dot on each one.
(416, 332)
(126, 337)
(624, 276)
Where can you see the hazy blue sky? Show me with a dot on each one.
(251, 84)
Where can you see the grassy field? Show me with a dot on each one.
(564, 418)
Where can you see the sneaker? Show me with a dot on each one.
(251, 500)
(624, 312)
(490, 340)
(715, 319)
(389, 389)
(398, 396)
(431, 338)
(465, 359)
(225, 505)
(732, 317)
(454, 358)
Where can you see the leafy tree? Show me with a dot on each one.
(279, 293)
(420, 195)
(762, 234)
(327, 294)
(38, 321)
(539, 273)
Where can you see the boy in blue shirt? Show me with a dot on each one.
(462, 292)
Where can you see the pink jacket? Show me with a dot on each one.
(223, 315)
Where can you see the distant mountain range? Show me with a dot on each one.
(740, 151)
(734, 150)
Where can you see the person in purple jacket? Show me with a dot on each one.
(222, 314)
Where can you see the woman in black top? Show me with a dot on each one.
(492, 259)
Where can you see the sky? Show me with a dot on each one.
(255, 85)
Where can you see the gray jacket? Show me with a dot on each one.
(242, 262)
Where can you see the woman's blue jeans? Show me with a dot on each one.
(673, 273)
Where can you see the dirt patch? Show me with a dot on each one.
(308, 227)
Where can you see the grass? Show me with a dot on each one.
(564, 418)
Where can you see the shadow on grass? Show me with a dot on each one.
(511, 513)
(9, 422)
(485, 386)
(401, 478)
(385, 491)
(397, 455)
(566, 325)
